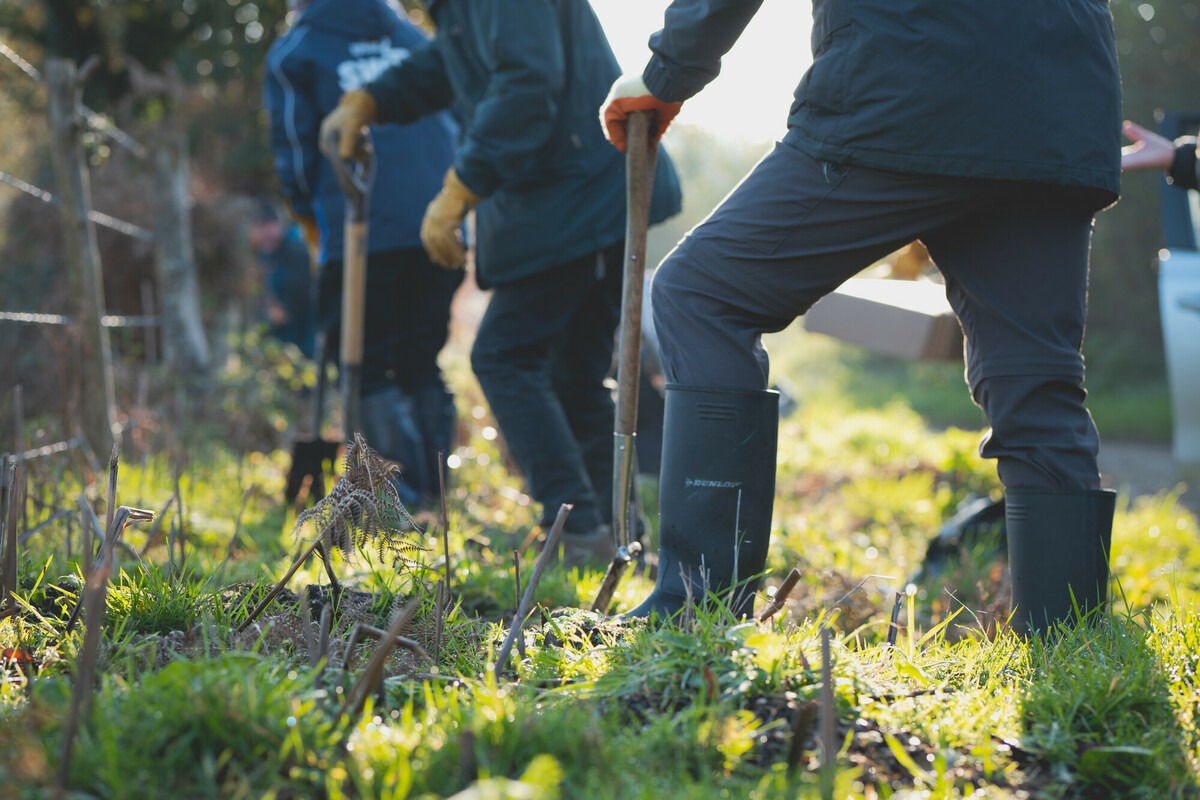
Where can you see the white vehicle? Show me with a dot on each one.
(1179, 302)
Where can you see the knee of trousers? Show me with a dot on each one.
(488, 360)
(682, 294)
(1020, 396)
(1041, 431)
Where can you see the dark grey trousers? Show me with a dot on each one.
(541, 354)
(1015, 260)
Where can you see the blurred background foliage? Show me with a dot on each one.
(198, 64)
(1158, 44)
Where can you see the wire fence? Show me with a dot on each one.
(108, 320)
(105, 220)
(98, 123)
(104, 128)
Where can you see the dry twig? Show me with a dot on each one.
(781, 595)
(13, 489)
(94, 597)
(373, 672)
(828, 715)
(518, 624)
(445, 517)
(894, 625)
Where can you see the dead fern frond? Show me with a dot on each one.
(364, 508)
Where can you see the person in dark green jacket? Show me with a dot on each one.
(988, 131)
(548, 193)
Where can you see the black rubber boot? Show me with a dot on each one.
(716, 492)
(1058, 548)
(388, 426)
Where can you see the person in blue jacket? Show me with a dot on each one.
(549, 200)
(337, 46)
(287, 277)
(988, 131)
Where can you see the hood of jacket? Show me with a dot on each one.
(347, 17)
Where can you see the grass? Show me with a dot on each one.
(836, 372)
(870, 466)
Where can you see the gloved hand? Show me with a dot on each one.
(629, 94)
(443, 218)
(340, 130)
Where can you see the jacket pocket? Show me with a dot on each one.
(826, 87)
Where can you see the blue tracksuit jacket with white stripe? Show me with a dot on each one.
(336, 46)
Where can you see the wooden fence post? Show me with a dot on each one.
(96, 394)
(186, 351)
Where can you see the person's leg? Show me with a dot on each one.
(511, 360)
(792, 231)
(422, 311)
(387, 421)
(1016, 275)
(580, 361)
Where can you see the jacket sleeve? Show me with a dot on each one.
(1185, 169)
(294, 122)
(412, 89)
(687, 52)
(523, 51)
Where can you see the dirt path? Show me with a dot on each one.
(1147, 468)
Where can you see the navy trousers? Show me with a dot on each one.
(542, 353)
(1015, 260)
(407, 318)
(408, 410)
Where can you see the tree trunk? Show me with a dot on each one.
(185, 347)
(73, 185)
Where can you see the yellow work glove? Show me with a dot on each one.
(441, 228)
(340, 130)
(629, 94)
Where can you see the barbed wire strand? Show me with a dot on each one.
(108, 320)
(22, 64)
(98, 217)
(96, 121)
(42, 452)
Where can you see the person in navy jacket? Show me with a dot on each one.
(548, 194)
(333, 47)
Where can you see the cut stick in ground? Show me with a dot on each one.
(14, 498)
(95, 594)
(364, 631)
(781, 595)
(828, 717)
(278, 587)
(122, 518)
(442, 598)
(894, 625)
(517, 578)
(445, 517)
(518, 624)
(373, 672)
